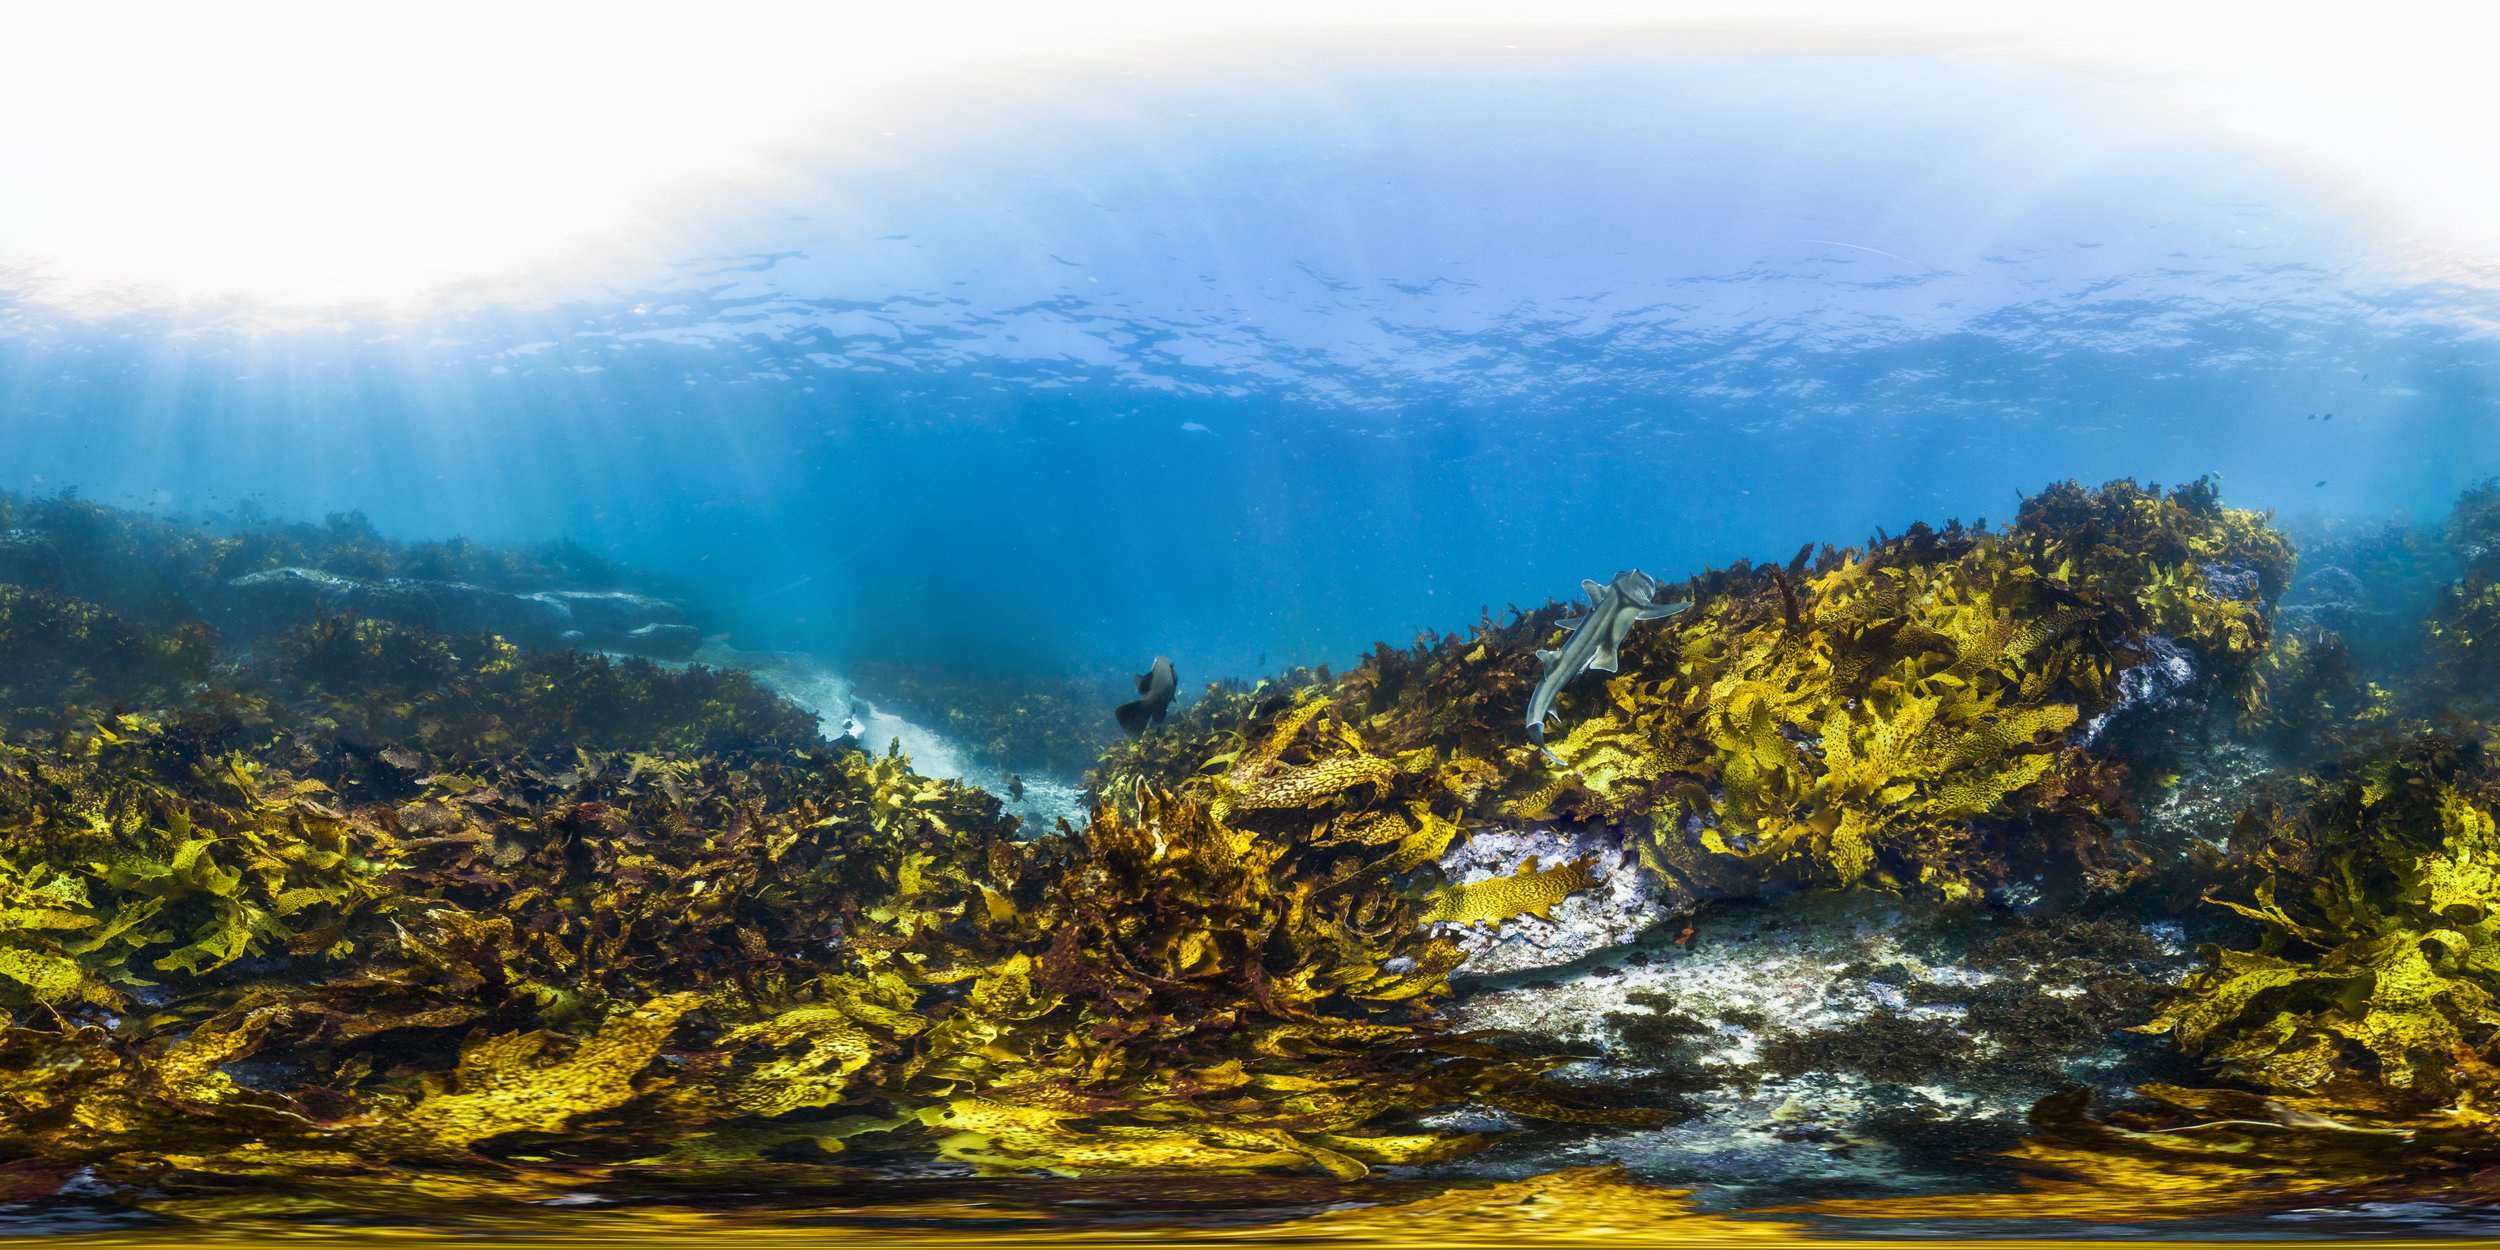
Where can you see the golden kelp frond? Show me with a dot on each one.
(127, 858)
(1212, 996)
(639, 956)
(502, 1085)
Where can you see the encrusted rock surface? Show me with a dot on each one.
(1840, 1043)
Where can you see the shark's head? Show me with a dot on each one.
(1636, 587)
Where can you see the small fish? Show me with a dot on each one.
(2328, 417)
(1596, 640)
(1155, 688)
(1015, 788)
(2321, 481)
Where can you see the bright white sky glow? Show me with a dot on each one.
(311, 155)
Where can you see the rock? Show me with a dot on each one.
(2233, 581)
(1845, 1041)
(258, 605)
(2161, 684)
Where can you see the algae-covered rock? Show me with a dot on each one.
(1922, 714)
(273, 601)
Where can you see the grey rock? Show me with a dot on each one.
(1762, 974)
(2161, 684)
(2233, 581)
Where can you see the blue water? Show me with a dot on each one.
(1255, 374)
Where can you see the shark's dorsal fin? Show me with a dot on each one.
(1592, 589)
(1547, 658)
(1569, 623)
(1605, 659)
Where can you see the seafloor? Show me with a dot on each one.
(2127, 871)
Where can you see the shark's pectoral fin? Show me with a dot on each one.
(1145, 682)
(1569, 623)
(1547, 659)
(1664, 610)
(1605, 660)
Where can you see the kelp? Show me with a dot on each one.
(134, 857)
(2361, 1025)
(1917, 714)
(639, 961)
(375, 682)
(2372, 987)
(383, 916)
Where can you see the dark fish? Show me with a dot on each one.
(1015, 788)
(2321, 481)
(1155, 688)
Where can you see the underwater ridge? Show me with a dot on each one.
(2130, 866)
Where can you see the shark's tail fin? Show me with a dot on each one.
(1536, 734)
(1134, 717)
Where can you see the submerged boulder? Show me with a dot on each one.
(1621, 902)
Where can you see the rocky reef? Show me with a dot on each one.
(1965, 873)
